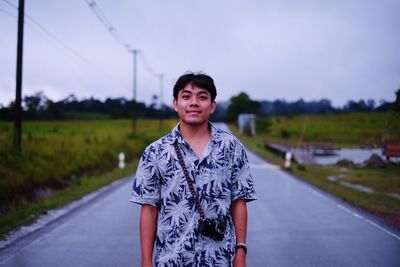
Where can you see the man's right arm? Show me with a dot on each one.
(148, 228)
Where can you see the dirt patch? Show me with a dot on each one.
(375, 161)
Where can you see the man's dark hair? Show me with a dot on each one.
(200, 80)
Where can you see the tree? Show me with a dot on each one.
(353, 106)
(241, 104)
(36, 102)
(34, 105)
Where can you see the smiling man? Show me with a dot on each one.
(193, 185)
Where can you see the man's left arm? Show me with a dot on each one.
(239, 216)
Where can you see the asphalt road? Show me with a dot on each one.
(291, 224)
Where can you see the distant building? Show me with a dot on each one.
(246, 120)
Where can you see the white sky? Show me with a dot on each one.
(272, 49)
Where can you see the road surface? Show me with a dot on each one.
(291, 224)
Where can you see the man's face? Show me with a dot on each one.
(194, 105)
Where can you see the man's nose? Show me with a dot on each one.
(194, 101)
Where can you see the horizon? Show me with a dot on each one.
(80, 99)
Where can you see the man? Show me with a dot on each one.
(172, 215)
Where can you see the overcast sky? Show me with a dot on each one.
(271, 49)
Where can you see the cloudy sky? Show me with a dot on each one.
(270, 49)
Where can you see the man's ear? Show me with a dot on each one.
(175, 103)
(213, 106)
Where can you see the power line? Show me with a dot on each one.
(11, 4)
(152, 72)
(116, 34)
(61, 43)
(107, 24)
(100, 15)
(147, 66)
(8, 13)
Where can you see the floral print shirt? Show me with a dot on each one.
(220, 176)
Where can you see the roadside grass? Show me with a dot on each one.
(56, 157)
(377, 203)
(349, 129)
(382, 180)
(29, 212)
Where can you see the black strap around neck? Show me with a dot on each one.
(189, 181)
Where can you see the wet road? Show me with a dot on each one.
(291, 224)
(103, 232)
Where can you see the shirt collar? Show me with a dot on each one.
(175, 134)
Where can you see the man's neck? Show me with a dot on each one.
(193, 133)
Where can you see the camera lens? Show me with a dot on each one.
(220, 228)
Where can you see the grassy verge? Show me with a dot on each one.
(382, 180)
(348, 129)
(67, 159)
(55, 152)
(29, 212)
(379, 203)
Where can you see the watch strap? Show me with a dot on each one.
(243, 246)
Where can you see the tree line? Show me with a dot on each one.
(40, 107)
(242, 103)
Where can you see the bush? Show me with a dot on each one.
(285, 134)
(301, 167)
(263, 125)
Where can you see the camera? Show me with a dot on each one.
(212, 228)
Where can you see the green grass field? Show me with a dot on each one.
(350, 129)
(344, 130)
(57, 156)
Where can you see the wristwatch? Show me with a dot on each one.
(243, 246)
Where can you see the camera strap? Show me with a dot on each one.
(189, 181)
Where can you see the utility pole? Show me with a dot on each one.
(161, 77)
(18, 90)
(134, 102)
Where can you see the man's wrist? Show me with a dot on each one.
(241, 246)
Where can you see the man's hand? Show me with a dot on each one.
(240, 258)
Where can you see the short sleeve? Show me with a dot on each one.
(242, 182)
(146, 184)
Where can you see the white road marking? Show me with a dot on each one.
(356, 215)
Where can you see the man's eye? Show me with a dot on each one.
(203, 97)
(185, 97)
